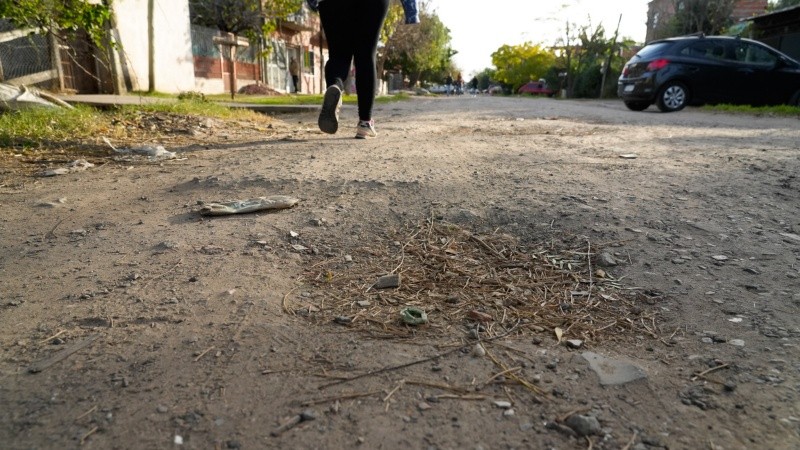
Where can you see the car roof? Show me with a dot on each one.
(697, 37)
(701, 36)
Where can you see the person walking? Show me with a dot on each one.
(448, 82)
(294, 71)
(352, 29)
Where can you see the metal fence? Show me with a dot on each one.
(25, 57)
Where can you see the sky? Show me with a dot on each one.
(478, 28)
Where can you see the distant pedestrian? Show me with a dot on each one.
(352, 29)
(448, 83)
(294, 71)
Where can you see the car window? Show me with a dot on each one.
(654, 50)
(749, 53)
(705, 49)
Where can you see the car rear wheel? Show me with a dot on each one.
(674, 96)
(637, 106)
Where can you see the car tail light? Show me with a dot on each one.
(657, 64)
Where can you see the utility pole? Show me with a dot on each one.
(607, 65)
(151, 47)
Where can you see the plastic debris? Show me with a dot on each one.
(75, 166)
(248, 206)
(414, 316)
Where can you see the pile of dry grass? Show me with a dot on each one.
(489, 283)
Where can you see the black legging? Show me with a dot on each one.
(352, 28)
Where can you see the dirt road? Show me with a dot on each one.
(592, 278)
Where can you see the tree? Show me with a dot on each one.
(251, 18)
(519, 64)
(780, 4)
(394, 17)
(420, 49)
(701, 16)
(582, 53)
(62, 19)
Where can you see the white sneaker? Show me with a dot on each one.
(329, 116)
(366, 129)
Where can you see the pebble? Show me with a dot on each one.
(574, 343)
(162, 409)
(605, 259)
(737, 342)
(478, 350)
(509, 412)
(583, 425)
(502, 404)
(423, 406)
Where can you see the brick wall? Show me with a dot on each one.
(748, 8)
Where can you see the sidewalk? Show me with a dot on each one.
(105, 101)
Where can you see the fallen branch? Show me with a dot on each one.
(42, 364)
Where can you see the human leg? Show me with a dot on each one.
(337, 21)
(369, 20)
(338, 30)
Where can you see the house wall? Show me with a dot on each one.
(174, 65)
(305, 38)
(748, 8)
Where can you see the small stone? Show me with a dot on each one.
(478, 351)
(509, 412)
(363, 303)
(308, 415)
(605, 259)
(422, 406)
(178, 440)
(737, 342)
(162, 409)
(387, 281)
(574, 343)
(583, 425)
(348, 258)
(719, 258)
(502, 404)
(613, 372)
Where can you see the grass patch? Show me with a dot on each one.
(62, 128)
(779, 110)
(31, 128)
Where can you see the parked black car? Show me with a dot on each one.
(695, 70)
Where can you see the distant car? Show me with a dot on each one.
(495, 89)
(536, 88)
(696, 70)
